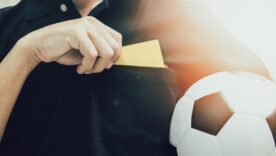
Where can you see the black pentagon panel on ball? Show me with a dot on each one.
(271, 120)
(211, 113)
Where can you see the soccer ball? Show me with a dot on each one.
(226, 114)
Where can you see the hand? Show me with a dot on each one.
(85, 42)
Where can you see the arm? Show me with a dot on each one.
(76, 42)
(14, 69)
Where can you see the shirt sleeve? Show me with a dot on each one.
(4, 15)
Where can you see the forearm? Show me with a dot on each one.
(14, 70)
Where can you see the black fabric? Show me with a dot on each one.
(124, 111)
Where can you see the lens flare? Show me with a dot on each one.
(253, 23)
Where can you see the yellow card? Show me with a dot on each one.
(146, 54)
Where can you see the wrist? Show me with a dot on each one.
(20, 58)
(26, 54)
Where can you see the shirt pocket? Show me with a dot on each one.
(136, 106)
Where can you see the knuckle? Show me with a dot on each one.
(94, 55)
(108, 54)
(116, 48)
(87, 18)
(94, 19)
(82, 20)
(89, 56)
(119, 52)
(86, 22)
(119, 36)
(91, 19)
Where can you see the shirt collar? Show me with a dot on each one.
(37, 8)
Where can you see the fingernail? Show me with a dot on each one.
(109, 66)
(80, 70)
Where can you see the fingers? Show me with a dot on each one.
(100, 46)
(113, 44)
(105, 52)
(89, 52)
(118, 37)
(113, 38)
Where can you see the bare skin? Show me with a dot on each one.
(85, 42)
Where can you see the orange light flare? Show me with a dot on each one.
(196, 43)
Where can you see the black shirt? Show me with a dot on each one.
(124, 111)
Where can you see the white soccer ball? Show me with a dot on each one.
(226, 114)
